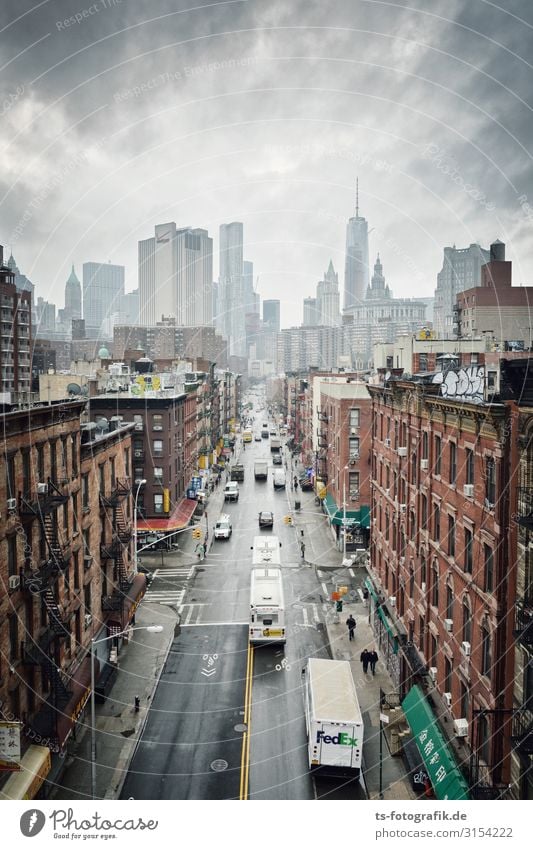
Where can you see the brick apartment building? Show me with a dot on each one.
(443, 576)
(15, 338)
(58, 482)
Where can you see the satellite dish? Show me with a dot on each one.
(74, 389)
(84, 390)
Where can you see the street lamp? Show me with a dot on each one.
(141, 483)
(153, 629)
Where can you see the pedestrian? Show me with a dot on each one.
(302, 549)
(351, 626)
(365, 659)
(373, 659)
(200, 551)
(295, 482)
(365, 597)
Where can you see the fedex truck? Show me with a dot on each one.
(333, 718)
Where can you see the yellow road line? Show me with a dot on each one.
(245, 753)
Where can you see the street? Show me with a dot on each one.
(196, 743)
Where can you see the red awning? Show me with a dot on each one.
(80, 686)
(131, 601)
(179, 519)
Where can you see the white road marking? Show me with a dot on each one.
(352, 573)
(306, 620)
(189, 615)
(315, 613)
(211, 624)
(324, 588)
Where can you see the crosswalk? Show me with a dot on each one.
(167, 587)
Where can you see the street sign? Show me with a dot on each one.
(384, 718)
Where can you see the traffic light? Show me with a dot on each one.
(197, 533)
(339, 606)
(288, 520)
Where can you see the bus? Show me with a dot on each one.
(267, 611)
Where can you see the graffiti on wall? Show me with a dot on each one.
(465, 384)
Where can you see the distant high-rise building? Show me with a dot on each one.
(103, 286)
(356, 272)
(176, 275)
(231, 300)
(461, 269)
(45, 313)
(251, 302)
(73, 296)
(272, 314)
(129, 308)
(15, 337)
(310, 313)
(327, 299)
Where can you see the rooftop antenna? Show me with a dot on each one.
(357, 197)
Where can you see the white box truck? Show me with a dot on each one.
(275, 444)
(333, 718)
(261, 469)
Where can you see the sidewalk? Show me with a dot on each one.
(321, 552)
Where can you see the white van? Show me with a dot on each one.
(279, 479)
(231, 491)
(223, 527)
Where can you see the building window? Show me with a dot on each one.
(157, 421)
(465, 701)
(424, 512)
(13, 636)
(158, 503)
(158, 447)
(469, 466)
(26, 474)
(451, 536)
(425, 445)
(158, 474)
(411, 582)
(53, 461)
(74, 453)
(12, 555)
(489, 568)
(354, 418)
(139, 423)
(10, 476)
(414, 469)
(433, 648)
(87, 598)
(85, 492)
(435, 584)
(101, 477)
(449, 601)
(113, 473)
(40, 464)
(447, 675)
(354, 484)
(467, 623)
(127, 462)
(438, 454)
(469, 547)
(436, 523)
(138, 474)
(486, 660)
(423, 574)
(490, 481)
(453, 462)
(353, 447)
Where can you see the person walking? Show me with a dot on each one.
(365, 659)
(200, 551)
(365, 597)
(295, 482)
(373, 659)
(351, 626)
(302, 549)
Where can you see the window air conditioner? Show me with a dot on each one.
(392, 600)
(433, 673)
(448, 624)
(465, 648)
(42, 489)
(402, 452)
(354, 495)
(460, 727)
(353, 430)
(14, 582)
(11, 503)
(87, 561)
(403, 508)
(386, 443)
(424, 465)
(88, 619)
(423, 586)
(448, 699)
(468, 490)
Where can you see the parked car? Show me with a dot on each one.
(306, 483)
(266, 519)
(277, 460)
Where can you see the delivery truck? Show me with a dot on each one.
(261, 469)
(275, 444)
(333, 718)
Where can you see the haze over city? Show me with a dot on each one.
(265, 113)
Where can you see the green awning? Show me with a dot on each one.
(336, 514)
(445, 775)
(381, 614)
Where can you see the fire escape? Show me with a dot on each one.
(112, 506)
(522, 730)
(44, 651)
(321, 456)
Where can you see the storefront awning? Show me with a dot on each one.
(131, 601)
(25, 784)
(337, 515)
(446, 777)
(80, 686)
(179, 519)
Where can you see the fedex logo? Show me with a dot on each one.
(341, 739)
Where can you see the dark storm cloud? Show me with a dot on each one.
(265, 112)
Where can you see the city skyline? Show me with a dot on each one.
(123, 120)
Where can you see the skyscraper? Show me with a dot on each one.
(73, 296)
(327, 298)
(356, 273)
(103, 286)
(271, 314)
(310, 314)
(231, 301)
(176, 276)
(461, 269)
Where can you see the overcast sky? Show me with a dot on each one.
(265, 111)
